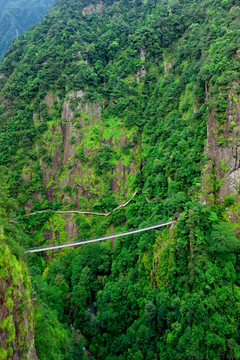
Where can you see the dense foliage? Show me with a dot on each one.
(99, 101)
(177, 300)
(16, 320)
(16, 16)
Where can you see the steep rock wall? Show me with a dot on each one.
(16, 318)
(221, 176)
(85, 154)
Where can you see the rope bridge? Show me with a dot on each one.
(114, 236)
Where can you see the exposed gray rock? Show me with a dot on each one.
(221, 176)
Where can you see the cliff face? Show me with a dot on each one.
(16, 315)
(77, 143)
(85, 154)
(221, 177)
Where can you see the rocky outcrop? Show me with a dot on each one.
(82, 132)
(16, 318)
(167, 64)
(142, 72)
(221, 176)
(92, 8)
(81, 148)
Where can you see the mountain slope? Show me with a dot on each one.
(102, 100)
(16, 16)
(16, 319)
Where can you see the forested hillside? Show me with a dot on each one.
(16, 16)
(105, 103)
(16, 310)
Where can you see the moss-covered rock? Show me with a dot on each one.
(16, 311)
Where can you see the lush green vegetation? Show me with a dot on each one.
(16, 16)
(15, 307)
(99, 101)
(16, 292)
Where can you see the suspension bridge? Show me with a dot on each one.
(111, 236)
